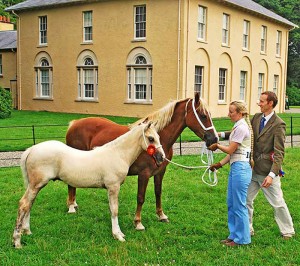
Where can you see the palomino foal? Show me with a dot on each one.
(103, 167)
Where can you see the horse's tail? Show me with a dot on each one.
(24, 167)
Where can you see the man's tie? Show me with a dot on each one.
(262, 124)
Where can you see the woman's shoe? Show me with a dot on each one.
(225, 241)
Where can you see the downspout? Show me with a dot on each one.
(19, 79)
(284, 75)
(178, 47)
(187, 49)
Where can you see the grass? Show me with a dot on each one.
(197, 213)
(16, 132)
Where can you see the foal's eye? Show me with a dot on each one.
(151, 139)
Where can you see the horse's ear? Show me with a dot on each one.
(144, 121)
(197, 97)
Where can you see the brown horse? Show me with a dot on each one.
(172, 119)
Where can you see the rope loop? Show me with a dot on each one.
(206, 158)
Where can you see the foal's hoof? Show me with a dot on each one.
(119, 237)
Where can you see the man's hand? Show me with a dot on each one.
(267, 182)
(213, 147)
(215, 166)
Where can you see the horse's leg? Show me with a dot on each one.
(113, 194)
(143, 180)
(72, 199)
(158, 178)
(23, 219)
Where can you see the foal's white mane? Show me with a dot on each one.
(163, 116)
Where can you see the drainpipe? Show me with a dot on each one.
(187, 49)
(19, 79)
(178, 49)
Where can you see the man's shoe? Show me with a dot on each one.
(227, 240)
(286, 237)
(231, 244)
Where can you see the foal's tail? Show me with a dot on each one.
(24, 167)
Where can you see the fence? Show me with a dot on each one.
(18, 138)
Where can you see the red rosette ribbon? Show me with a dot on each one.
(151, 149)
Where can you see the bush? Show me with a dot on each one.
(5, 103)
(294, 95)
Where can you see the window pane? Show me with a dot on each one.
(88, 83)
(140, 84)
(43, 30)
(88, 25)
(198, 79)
(140, 21)
(222, 84)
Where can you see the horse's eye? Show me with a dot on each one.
(151, 139)
(203, 116)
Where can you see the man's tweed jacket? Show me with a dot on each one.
(271, 139)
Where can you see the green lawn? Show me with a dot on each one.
(197, 213)
(16, 132)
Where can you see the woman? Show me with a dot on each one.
(238, 155)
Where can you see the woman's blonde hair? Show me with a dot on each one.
(241, 108)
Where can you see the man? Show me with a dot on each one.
(268, 153)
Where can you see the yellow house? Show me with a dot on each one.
(129, 58)
(8, 57)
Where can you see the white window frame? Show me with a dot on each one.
(278, 43)
(198, 87)
(43, 27)
(87, 25)
(276, 84)
(139, 80)
(140, 19)
(261, 82)
(263, 39)
(43, 78)
(246, 34)
(202, 15)
(225, 29)
(243, 85)
(222, 85)
(87, 74)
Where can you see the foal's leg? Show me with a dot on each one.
(23, 219)
(158, 188)
(72, 199)
(113, 193)
(143, 180)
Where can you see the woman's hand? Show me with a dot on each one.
(215, 166)
(213, 147)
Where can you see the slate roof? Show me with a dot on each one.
(247, 5)
(8, 39)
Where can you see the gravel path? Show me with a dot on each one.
(8, 159)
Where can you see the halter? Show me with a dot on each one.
(200, 122)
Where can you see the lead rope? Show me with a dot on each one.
(208, 162)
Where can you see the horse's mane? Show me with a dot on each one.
(163, 116)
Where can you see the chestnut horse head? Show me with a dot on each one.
(196, 117)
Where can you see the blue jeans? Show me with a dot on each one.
(238, 220)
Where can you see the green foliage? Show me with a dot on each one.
(5, 103)
(294, 95)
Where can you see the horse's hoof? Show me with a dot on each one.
(27, 232)
(164, 220)
(72, 210)
(119, 237)
(139, 227)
